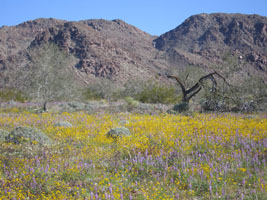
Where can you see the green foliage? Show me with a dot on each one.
(249, 95)
(133, 91)
(166, 157)
(151, 92)
(92, 94)
(157, 93)
(3, 134)
(118, 132)
(22, 135)
(131, 101)
(12, 94)
(49, 75)
(63, 124)
(254, 90)
(182, 107)
(101, 89)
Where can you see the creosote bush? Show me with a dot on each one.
(101, 89)
(139, 90)
(151, 92)
(12, 94)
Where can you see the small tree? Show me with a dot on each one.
(50, 75)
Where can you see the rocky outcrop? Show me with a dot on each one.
(107, 49)
(118, 51)
(213, 35)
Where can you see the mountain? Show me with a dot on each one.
(212, 36)
(110, 49)
(73, 55)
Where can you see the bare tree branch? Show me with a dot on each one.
(197, 91)
(178, 80)
(191, 92)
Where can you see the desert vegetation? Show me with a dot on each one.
(203, 156)
(91, 110)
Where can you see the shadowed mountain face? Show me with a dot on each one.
(94, 49)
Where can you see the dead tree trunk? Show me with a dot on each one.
(191, 92)
(45, 106)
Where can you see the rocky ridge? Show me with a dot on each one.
(118, 51)
(212, 36)
(109, 49)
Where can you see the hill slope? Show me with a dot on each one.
(212, 36)
(81, 53)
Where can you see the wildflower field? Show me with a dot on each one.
(203, 156)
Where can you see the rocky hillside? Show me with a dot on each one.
(110, 49)
(79, 53)
(202, 39)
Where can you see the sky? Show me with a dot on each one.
(152, 16)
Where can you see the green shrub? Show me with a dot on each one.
(12, 94)
(157, 93)
(63, 124)
(138, 90)
(118, 132)
(131, 101)
(102, 89)
(92, 94)
(151, 92)
(181, 107)
(22, 135)
(3, 135)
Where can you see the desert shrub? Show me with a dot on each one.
(3, 135)
(12, 94)
(93, 94)
(102, 89)
(27, 135)
(151, 92)
(63, 124)
(156, 93)
(47, 77)
(247, 96)
(75, 105)
(139, 90)
(131, 103)
(118, 132)
(49, 62)
(181, 107)
(253, 94)
(132, 88)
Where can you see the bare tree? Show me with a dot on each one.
(196, 88)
